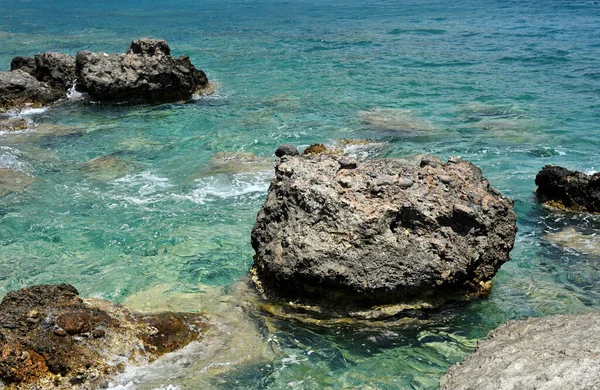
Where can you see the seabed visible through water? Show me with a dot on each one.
(152, 207)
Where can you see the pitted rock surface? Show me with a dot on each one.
(556, 352)
(19, 89)
(145, 74)
(334, 228)
(51, 338)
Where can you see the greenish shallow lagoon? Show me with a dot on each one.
(511, 86)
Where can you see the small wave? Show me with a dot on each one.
(132, 386)
(74, 95)
(225, 186)
(27, 112)
(11, 158)
(420, 31)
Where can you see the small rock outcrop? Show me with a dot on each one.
(286, 150)
(337, 229)
(145, 74)
(19, 89)
(50, 338)
(557, 352)
(571, 190)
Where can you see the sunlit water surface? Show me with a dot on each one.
(509, 85)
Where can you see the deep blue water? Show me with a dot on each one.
(509, 85)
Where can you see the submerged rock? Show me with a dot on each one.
(13, 181)
(235, 162)
(336, 229)
(394, 119)
(50, 338)
(145, 74)
(105, 168)
(557, 352)
(13, 124)
(569, 237)
(561, 188)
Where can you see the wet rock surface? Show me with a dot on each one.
(145, 74)
(49, 337)
(557, 352)
(564, 189)
(337, 229)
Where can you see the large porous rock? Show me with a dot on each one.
(50, 338)
(55, 69)
(19, 89)
(145, 74)
(564, 189)
(336, 229)
(557, 352)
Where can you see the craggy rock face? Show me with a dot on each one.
(336, 229)
(145, 74)
(50, 338)
(557, 352)
(55, 69)
(26, 64)
(564, 189)
(19, 89)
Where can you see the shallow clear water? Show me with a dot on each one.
(510, 85)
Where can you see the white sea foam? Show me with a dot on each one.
(231, 186)
(11, 158)
(27, 112)
(74, 95)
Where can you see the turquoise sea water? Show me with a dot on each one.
(509, 85)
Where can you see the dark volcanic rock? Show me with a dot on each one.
(55, 69)
(382, 232)
(145, 74)
(565, 189)
(286, 150)
(50, 338)
(19, 89)
(26, 64)
(557, 352)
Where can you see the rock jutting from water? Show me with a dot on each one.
(50, 338)
(335, 229)
(556, 352)
(145, 74)
(561, 188)
(19, 90)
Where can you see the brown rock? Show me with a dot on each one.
(32, 353)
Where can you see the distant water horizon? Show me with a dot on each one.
(509, 85)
